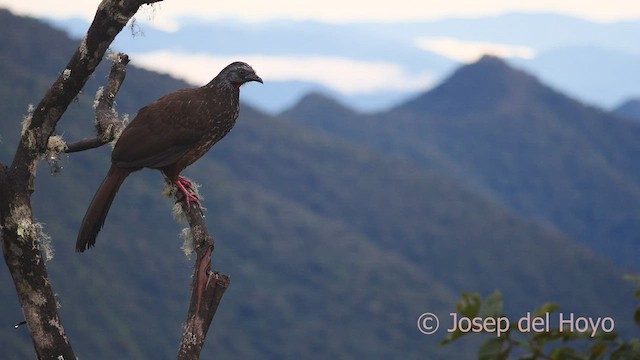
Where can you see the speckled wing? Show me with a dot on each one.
(163, 131)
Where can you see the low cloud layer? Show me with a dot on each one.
(470, 51)
(341, 74)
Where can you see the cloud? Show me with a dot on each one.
(347, 76)
(469, 51)
(165, 14)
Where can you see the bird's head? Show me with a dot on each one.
(238, 73)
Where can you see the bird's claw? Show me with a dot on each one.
(188, 191)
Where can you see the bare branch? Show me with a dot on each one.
(111, 16)
(108, 125)
(207, 287)
(85, 144)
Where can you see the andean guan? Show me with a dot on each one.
(169, 134)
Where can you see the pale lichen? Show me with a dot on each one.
(20, 219)
(58, 304)
(171, 191)
(56, 324)
(187, 241)
(188, 337)
(42, 337)
(37, 298)
(196, 189)
(66, 74)
(26, 229)
(55, 146)
(113, 56)
(117, 130)
(111, 127)
(44, 241)
(96, 100)
(84, 52)
(178, 213)
(27, 133)
(26, 120)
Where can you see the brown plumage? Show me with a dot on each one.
(168, 135)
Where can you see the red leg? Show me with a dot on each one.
(187, 189)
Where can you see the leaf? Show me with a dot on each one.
(528, 357)
(599, 350)
(493, 305)
(469, 305)
(492, 350)
(452, 336)
(626, 351)
(546, 308)
(607, 336)
(523, 344)
(563, 353)
(635, 279)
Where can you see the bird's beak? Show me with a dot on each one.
(254, 77)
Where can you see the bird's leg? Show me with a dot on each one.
(187, 189)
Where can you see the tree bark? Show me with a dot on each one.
(206, 290)
(21, 234)
(108, 126)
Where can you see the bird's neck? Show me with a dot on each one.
(222, 87)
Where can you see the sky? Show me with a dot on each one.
(165, 13)
(345, 75)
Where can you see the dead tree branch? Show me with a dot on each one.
(108, 126)
(21, 234)
(206, 290)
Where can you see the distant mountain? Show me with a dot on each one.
(334, 246)
(595, 62)
(586, 73)
(629, 109)
(544, 155)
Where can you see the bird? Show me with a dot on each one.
(169, 134)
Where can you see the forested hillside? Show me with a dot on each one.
(540, 153)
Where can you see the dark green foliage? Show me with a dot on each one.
(551, 343)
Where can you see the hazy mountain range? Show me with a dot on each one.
(338, 228)
(594, 62)
(629, 109)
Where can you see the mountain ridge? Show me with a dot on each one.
(508, 133)
(630, 109)
(553, 41)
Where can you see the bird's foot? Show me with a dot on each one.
(188, 190)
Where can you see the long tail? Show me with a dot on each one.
(99, 207)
